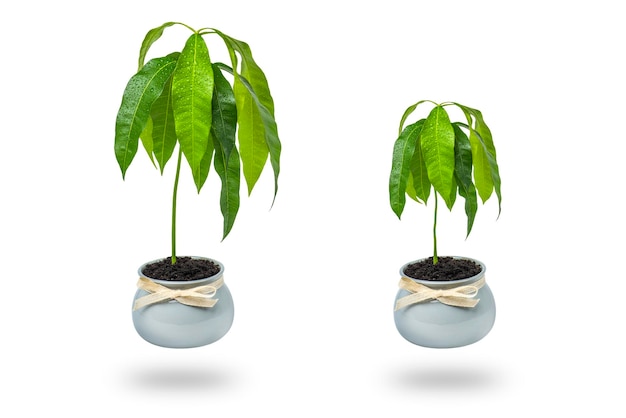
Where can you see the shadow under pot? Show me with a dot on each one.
(182, 313)
(444, 313)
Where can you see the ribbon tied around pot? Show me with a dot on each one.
(462, 296)
(200, 296)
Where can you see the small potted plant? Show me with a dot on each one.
(210, 113)
(444, 301)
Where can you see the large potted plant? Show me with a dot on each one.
(444, 302)
(212, 114)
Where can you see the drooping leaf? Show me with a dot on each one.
(419, 174)
(164, 129)
(192, 93)
(250, 133)
(272, 141)
(485, 134)
(437, 142)
(229, 172)
(486, 171)
(463, 174)
(408, 112)
(205, 163)
(251, 71)
(252, 146)
(150, 38)
(482, 171)
(403, 150)
(147, 141)
(453, 193)
(141, 91)
(269, 123)
(410, 189)
(224, 112)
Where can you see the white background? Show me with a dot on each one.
(314, 277)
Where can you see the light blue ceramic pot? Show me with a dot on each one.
(174, 325)
(436, 325)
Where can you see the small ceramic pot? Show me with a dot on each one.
(174, 325)
(437, 325)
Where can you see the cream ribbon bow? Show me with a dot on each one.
(201, 296)
(462, 296)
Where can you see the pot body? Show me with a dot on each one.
(174, 325)
(437, 325)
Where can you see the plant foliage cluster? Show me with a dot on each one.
(447, 157)
(185, 99)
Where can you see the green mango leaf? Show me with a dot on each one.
(192, 93)
(410, 189)
(146, 140)
(224, 112)
(271, 131)
(141, 92)
(463, 174)
(271, 140)
(403, 150)
(151, 37)
(482, 171)
(251, 132)
(437, 142)
(486, 171)
(408, 112)
(419, 174)
(205, 164)
(453, 193)
(252, 146)
(229, 172)
(250, 71)
(164, 130)
(484, 133)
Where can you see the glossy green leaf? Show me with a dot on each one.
(251, 71)
(151, 37)
(252, 146)
(437, 142)
(271, 140)
(486, 171)
(410, 189)
(453, 191)
(147, 141)
(403, 150)
(205, 163)
(250, 133)
(224, 112)
(485, 134)
(164, 129)
(192, 93)
(141, 92)
(271, 129)
(463, 174)
(229, 172)
(408, 113)
(419, 174)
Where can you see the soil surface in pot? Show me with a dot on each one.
(185, 269)
(447, 268)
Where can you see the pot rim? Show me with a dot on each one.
(451, 283)
(191, 283)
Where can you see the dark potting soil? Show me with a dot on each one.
(186, 268)
(447, 268)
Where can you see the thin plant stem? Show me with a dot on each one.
(180, 154)
(435, 257)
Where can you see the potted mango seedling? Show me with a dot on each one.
(206, 113)
(444, 302)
